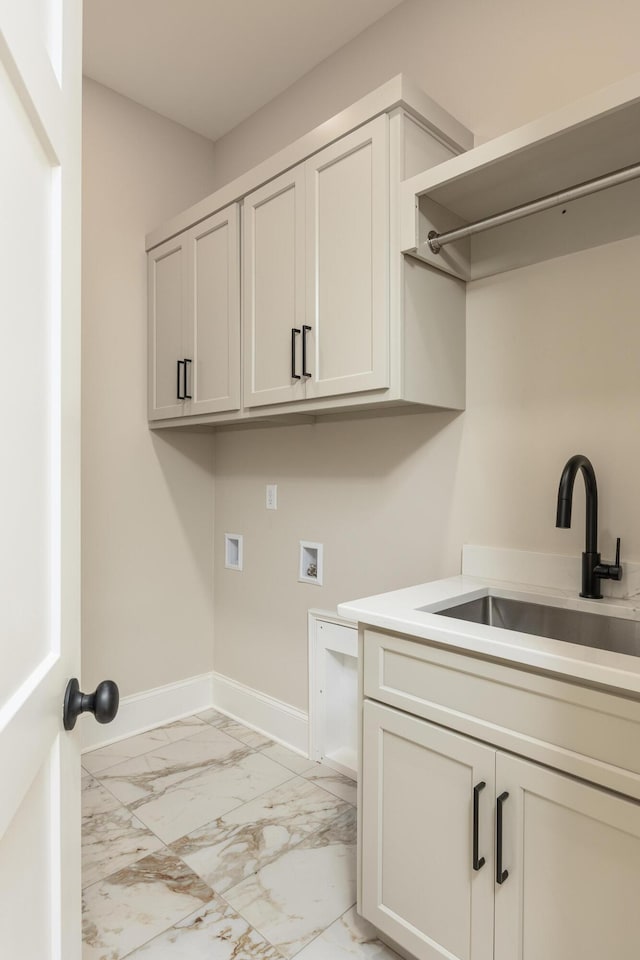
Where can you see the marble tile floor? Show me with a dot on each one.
(204, 840)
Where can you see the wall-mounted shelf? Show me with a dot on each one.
(587, 139)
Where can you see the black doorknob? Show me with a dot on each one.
(103, 702)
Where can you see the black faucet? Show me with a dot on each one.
(592, 570)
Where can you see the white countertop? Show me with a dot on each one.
(400, 611)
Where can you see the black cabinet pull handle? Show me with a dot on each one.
(179, 395)
(294, 331)
(305, 330)
(501, 875)
(102, 703)
(478, 862)
(187, 395)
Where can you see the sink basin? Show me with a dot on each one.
(556, 623)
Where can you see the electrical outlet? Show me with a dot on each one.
(272, 496)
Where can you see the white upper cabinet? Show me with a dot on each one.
(347, 255)
(194, 320)
(332, 318)
(274, 290)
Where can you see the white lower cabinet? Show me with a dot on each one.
(568, 855)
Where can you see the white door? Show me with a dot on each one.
(40, 118)
(212, 330)
(427, 836)
(347, 248)
(572, 853)
(274, 301)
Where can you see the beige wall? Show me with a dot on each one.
(494, 64)
(552, 359)
(147, 509)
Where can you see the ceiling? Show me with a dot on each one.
(209, 64)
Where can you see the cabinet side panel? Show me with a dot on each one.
(421, 149)
(435, 333)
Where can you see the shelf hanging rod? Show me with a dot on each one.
(436, 241)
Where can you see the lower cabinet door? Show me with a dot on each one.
(419, 884)
(572, 852)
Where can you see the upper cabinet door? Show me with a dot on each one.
(347, 246)
(572, 852)
(212, 331)
(273, 311)
(167, 295)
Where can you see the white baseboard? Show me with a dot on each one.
(278, 720)
(153, 708)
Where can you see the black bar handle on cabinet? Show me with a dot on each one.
(187, 395)
(294, 331)
(478, 862)
(305, 330)
(179, 395)
(501, 875)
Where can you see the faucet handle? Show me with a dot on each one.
(615, 570)
(610, 571)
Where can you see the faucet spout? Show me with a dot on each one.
(593, 571)
(565, 500)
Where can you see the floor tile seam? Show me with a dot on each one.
(133, 811)
(289, 849)
(178, 786)
(189, 778)
(145, 753)
(317, 784)
(274, 743)
(322, 932)
(232, 809)
(143, 733)
(122, 805)
(161, 933)
(217, 896)
(251, 925)
(150, 853)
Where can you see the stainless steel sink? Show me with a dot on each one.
(557, 623)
